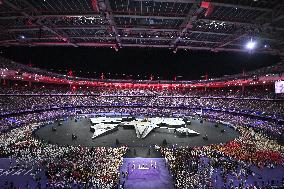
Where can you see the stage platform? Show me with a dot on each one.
(81, 128)
(143, 126)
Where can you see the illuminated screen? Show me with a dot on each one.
(279, 87)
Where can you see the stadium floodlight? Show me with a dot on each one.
(251, 44)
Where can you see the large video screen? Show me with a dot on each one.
(279, 87)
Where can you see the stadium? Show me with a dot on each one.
(141, 94)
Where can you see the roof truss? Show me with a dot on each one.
(173, 24)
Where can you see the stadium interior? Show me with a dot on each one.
(119, 94)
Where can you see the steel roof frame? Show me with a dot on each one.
(173, 26)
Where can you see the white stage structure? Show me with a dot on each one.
(104, 125)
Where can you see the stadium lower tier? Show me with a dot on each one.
(254, 158)
(273, 109)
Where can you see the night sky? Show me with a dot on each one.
(129, 63)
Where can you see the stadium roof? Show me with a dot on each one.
(219, 25)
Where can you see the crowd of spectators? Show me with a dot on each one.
(20, 88)
(268, 128)
(191, 167)
(229, 165)
(11, 122)
(64, 166)
(19, 99)
(67, 166)
(14, 104)
(24, 109)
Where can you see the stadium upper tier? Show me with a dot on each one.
(11, 70)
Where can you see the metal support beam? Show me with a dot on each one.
(191, 48)
(119, 28)
(266, 19)
(169, 39)
(29, 5)
(11, 5)
(38, 22)
(241, 7)
(93, 44)
(278, 12)
(242, 32)
(238, 34)
(280, 17)
(187, 23)
(94, 15)
(113, 38)
(112, 23)
(241, 23)
(169, 1)
(16, 43)
(148, 17)
(97, 44)
(142, 17)
(214, 3)
(59, 32)
(144, 29)
(59, 28)
(43, 16)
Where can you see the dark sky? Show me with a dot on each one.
(162, 63)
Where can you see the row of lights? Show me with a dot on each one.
(251, 45)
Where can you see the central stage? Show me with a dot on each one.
(81, 128)
(143, 126)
